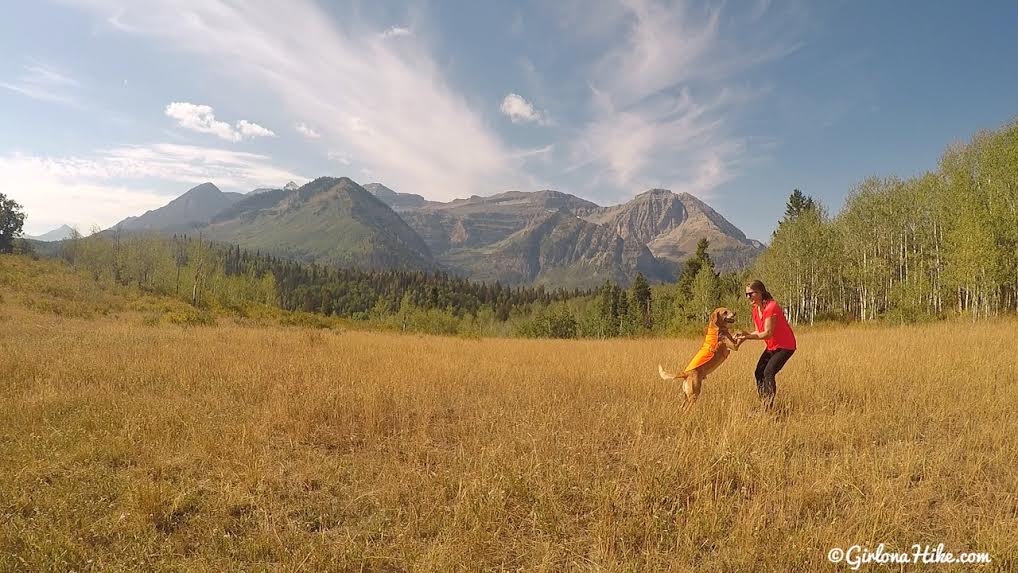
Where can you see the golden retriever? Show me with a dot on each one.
(717, 345)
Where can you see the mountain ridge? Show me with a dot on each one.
(516, 237)
(329, 220)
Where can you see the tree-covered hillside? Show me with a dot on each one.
(940, 244)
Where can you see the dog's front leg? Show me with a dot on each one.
(736, 340)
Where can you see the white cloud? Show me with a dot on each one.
(109, 185)
(202, 118)
(395, 32)
(249, 129)
(387, 101)
(45, 83)
(519, 110)
(307, 131)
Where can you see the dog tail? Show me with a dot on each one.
(666, 376)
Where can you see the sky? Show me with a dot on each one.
(109, 108)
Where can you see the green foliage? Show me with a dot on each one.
(23, 247)
(802, 257)
(697, 292)
(905, 250)
(226, 279)
(691, 268)
(12, 219)
(705, 295)
(798, 203)
(190, 317)
(555, 322)
(641, 298)
(305, 320)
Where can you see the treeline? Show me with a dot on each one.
(209, 276)
(642, 309)
(941, 244)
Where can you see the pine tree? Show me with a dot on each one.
(797, 204)
(641, 300)
(684, 293)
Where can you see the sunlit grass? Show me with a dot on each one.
(127, 446)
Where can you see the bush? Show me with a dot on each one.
(67, 309)
(190, 317)
(545, 323)
(304, 319)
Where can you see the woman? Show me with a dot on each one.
(772, 327)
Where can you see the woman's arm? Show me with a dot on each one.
(767, 332)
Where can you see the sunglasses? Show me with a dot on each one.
(750, 294)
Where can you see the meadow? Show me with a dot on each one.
(133, 443)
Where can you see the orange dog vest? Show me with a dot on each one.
(710, 346)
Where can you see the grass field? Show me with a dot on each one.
(128, 445)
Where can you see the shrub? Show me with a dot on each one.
(190, 317)
(304, 319)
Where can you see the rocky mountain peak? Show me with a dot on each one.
(204, 189)
(397, 201)
(645, 217)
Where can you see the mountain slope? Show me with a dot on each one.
(329, 221)
(558, 249)
(190, 210)
(668, 224)
(481, 221)
(288, 187)
(671, 225)
(397, 201)
(59, 234)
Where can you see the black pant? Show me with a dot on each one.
(771, 362)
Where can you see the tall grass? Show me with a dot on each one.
(133, 447)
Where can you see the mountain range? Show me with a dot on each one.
(543, 237)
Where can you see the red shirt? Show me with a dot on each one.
(782, 336)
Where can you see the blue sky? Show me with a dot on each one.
(109, 108)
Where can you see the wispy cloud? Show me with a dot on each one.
(389, 102)
(307, 131)
(662, 98)
(202, 118)
(108, 185)
(45, 83)
(193, 164)
(396, 32)
(519, 110)
(340, 157)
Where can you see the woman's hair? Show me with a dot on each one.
(758, 286)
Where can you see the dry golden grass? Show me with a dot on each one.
(126, 447)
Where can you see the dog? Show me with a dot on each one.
(717, 345)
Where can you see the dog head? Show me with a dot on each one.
(722, 318)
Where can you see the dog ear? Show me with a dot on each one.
(714, 316)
